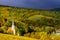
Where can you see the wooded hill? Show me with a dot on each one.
(28, 20)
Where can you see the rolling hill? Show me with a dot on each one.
(28, 22)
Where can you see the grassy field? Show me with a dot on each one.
(13, 37)
(10, 37)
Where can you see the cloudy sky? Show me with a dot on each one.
(40, 4)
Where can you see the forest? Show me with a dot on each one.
(29, 22)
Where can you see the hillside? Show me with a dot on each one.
(29, 22)
(12, 37)
(56, 9)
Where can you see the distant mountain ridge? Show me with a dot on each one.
(57, 9)
(19, 7)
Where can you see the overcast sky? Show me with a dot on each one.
(40, 4)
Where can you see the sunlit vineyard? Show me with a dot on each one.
(32, 23)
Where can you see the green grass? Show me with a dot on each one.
(56, 34)
(12, 37)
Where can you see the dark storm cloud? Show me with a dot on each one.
(44, 4)
(41, 4)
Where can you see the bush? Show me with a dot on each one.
(1, 30)
(8, 23)
(4, 29)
